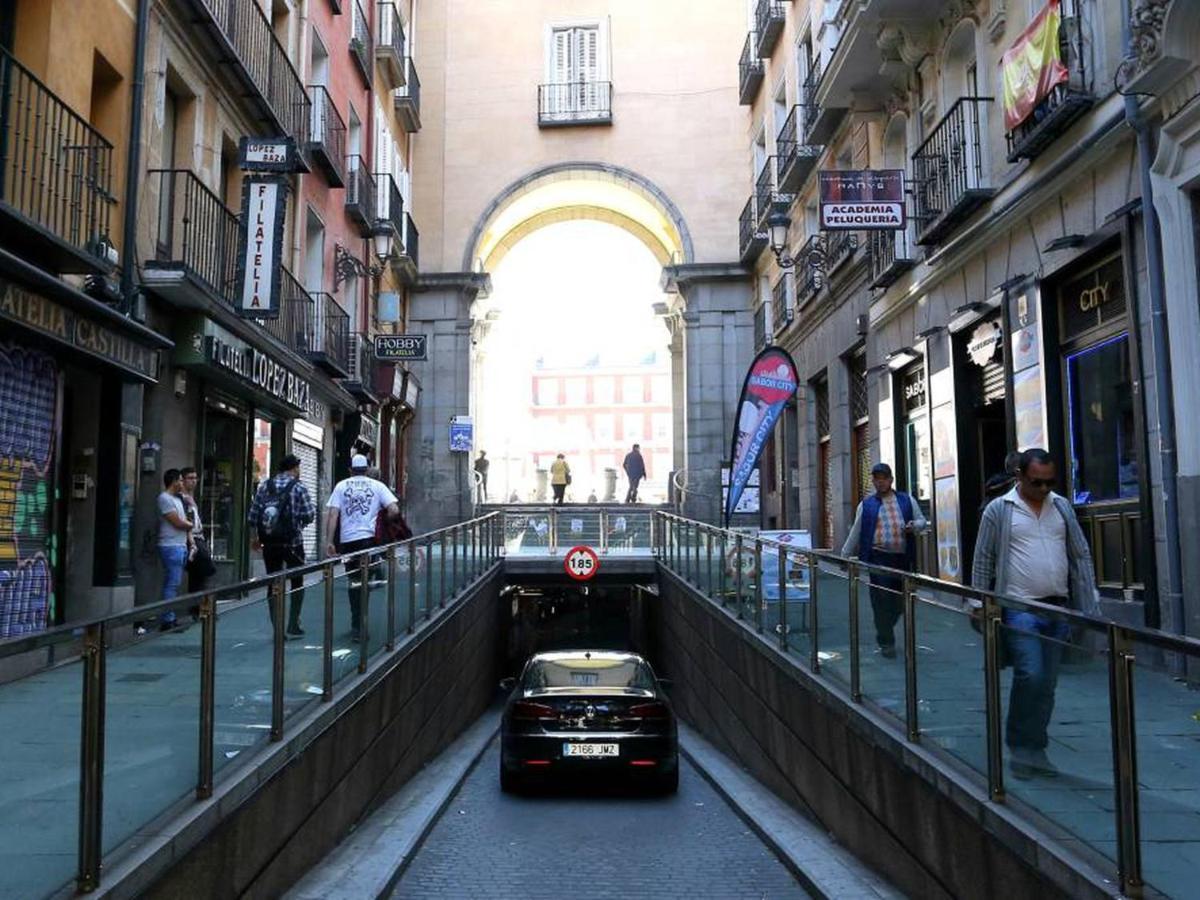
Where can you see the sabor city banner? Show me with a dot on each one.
(264, 208)
(1032, 67)
(769, 385)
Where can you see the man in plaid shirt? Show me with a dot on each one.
(883, 534)
(281, 540)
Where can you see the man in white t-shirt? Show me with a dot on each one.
(350, 517)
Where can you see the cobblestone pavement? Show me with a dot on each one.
(587, 842)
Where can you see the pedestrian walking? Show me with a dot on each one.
(200, 565)
(282, 508)
(481, 473)
(884, 534)
(560, 477)
(635, 471)
(174, 540)
(1030, 547)
(350, 520)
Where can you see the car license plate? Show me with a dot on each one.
(590, 750)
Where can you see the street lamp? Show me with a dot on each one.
(383, 237)
(778, 223)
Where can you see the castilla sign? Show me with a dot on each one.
(264, 208)
(862, 200)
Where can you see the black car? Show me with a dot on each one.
(584, 711)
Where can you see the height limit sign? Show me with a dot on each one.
(581, 563)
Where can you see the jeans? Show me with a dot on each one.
(358, 595)
(887, 596)
(1035, 647)
(560, 491)
(277, 557)
(631, 494)
(174, 558)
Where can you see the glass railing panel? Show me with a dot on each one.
(346, 590)
(1167, 722)
(578, 527)
(951, 707)
(304, 604)
(833, 619)
(880, 597)
(410, 559)
(242, 708)
(39, 780)
(377, 603)
(1057, 729)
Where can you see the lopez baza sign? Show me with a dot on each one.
(253, 366)
(268, 155)
(400, 347)
(862, 199)
(264, 208)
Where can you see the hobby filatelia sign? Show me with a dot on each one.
(264, 209)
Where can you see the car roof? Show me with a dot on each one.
(585, 655)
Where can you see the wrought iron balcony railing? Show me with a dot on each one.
(362, 44)
(839, 248)
(408, 99)
(762, 331)
(948, 175)
(360, 377)
(296, 323)
(765, 195)
(769, 17)
(810, 269)
(55, 174)
(411, 243)
(750, 70)
(808, 93)
(751, 238)
(389, 206)
(326, 143)
(389, 45)
(575, 103)
(795, 160)
(360, 194)
(783, 307)
(331, 344)
(890, 256)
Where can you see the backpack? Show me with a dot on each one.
(275, 522)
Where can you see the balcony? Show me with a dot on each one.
(751, 238)
(762, 331)
(783, 307)
(247, 43)
(750, 72)
(769, 17)
(360, 375)
(795, 160)
(948, 178)
(890, 256)
(389, 48)
(362, 45)
(331, 337)
(765, 194)
(840, 247)
(408, 100)
(820, 120)
(326, 144)
(575, 103)
(360, 194)
(1065, 103)
(55, 177)
(195, 264)
(408, 261)
(389, 208)
(810, 270)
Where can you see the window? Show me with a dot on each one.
(1103, 436)
(576, 391)
(547, 392)
(631, 389)
(820, 390)
(859, 426)
(662, 426)
(660, 389)
(576, 54)
(603, 426)
(604, 391)
(631, 428)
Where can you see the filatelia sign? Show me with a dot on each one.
(862, 199)
(400, 346)
(264, 208)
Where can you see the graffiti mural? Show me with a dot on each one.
(28, 420)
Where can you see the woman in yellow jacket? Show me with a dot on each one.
(560, 477)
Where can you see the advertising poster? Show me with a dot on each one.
(749, 502)
(946, 504)
(1027, 404)
(769, 385)
(945, 457)
(1025, 348)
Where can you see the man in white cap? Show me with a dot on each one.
(350, 517)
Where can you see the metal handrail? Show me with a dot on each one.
(1120, 641)
(575, 102)
(362, 43)
(484, 536)
(949, 162)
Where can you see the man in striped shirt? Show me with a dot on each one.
(883, 534)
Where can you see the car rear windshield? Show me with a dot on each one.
(589, 673)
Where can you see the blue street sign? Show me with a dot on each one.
(462, 433)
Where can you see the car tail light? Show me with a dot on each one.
(524, 709)
(648, 711)
(642, 762)
(537, 762)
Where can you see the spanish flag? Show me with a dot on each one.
(1032, 67)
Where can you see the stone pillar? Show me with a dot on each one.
(718, 344)
(439, 486)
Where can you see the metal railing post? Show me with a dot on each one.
(603, 531)
(413, 556)
(390, 643)
(855, 647)
(553, 531)
(442, 568)
(783, 626)
(276, 600)
(696, 542)
(708, 579)
(441, 584)
(453, 563)
(910, 662)
(814, 600)
(208, 693)
(758, 586)
(91, 759)
(327, 577)
(992, 637)
(1121, 659)
(364, 613)
(737, 572)
(722, 576)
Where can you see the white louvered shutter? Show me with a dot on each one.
(587, 68)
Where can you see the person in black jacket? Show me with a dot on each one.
(635, 471)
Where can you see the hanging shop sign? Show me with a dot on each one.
(368, 430)
(65, 326)
(401, 347)
(412, 390)
(264, 208)
(985, 341)
(862, 199)
(462, 434)
(277, 155)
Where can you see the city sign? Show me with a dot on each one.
(862, 199)
(581, 563)
(401, 347)
(462, 433)
(276, 155)
(264, 208)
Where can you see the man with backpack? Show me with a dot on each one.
(351, 517)
(281, 510)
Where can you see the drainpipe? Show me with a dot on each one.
(134, 157)
(1164, 393)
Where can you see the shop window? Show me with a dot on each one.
(824, 462)
(1103, 436)
(859, 426)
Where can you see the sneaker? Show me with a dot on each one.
(1042, 764)
(1026, 763)
(295, 631)
(887, 651)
